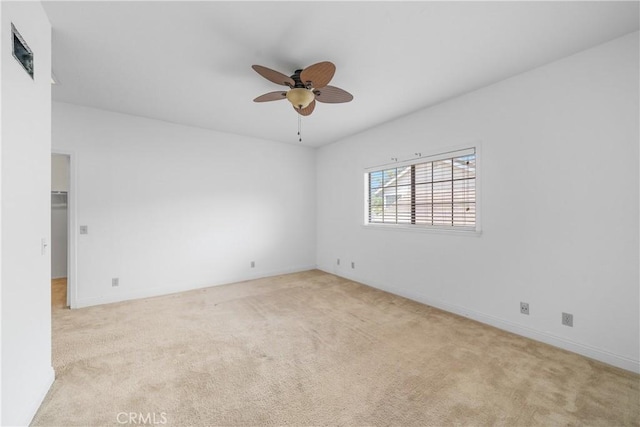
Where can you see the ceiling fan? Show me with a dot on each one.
(305, 87)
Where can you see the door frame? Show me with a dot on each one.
(72, 254)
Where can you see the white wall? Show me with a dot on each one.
(59, 172)
(58, 242)
(559, 205)
(25, 182)
(170, 207)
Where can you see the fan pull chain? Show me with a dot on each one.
(299, 128)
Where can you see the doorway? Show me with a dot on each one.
(62, 236)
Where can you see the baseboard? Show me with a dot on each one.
(545, 337)
(154, 292)
(34, 405)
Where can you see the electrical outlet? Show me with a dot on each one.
(115, 282)
(524, 308)
(253, 264)
(338, 261)
(567, 319)
(353, 264)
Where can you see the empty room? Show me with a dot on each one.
(320, 213)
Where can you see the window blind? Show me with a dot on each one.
(439, 191)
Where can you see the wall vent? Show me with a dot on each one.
(21, 51)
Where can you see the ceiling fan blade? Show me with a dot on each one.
(271, 96)
(332, 95)
(274, 76)
(308, 110)
(319, 74)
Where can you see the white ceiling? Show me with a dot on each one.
(190, 62)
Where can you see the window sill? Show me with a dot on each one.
(417, 229)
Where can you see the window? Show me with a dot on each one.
(431, 192)
(21, 51)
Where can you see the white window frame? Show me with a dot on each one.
(428, 156)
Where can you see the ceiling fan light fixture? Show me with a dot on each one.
(300, 98)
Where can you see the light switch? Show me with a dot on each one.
(44, 245)
(84, 229)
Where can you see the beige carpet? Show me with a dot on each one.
(314, 349)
